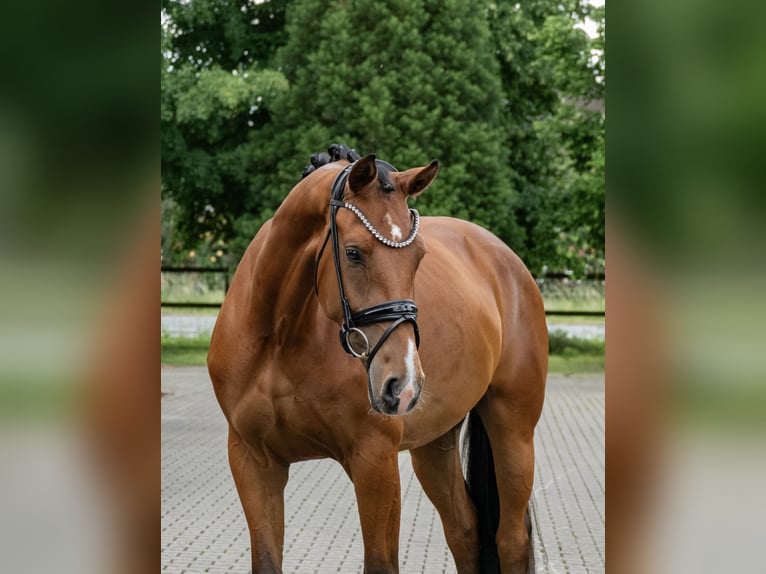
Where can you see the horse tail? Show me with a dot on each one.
(481, 483)
(482, 487)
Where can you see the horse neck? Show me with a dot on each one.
(282, 282)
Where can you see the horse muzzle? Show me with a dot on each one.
(397, 398)
(399, 387)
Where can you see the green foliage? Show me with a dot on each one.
(180, 351)
(215, 94)
(409, 81)
(207, 118)
(565, 217)
(509, 98)
(560, 343)
(554, 124)
(576, 364)
(569, 355)
(227, 33)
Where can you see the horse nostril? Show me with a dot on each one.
(391, 392)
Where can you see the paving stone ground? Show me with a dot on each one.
(204, 529)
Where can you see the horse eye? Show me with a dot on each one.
(352, 254)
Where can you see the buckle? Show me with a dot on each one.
(349, 348)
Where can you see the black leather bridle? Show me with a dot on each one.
(398, 311)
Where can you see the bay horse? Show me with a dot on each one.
(439, 321)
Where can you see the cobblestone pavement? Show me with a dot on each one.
(204, 529)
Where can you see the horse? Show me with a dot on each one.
(354, 329)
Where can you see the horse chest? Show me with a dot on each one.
(295, 415)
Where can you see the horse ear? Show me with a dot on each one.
(363, 173)
(415, 180)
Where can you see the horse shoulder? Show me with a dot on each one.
(235, 342)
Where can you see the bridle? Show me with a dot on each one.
(398, 311)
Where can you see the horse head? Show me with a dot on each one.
(370, 292)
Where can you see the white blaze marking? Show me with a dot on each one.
(396, 232)
(408, 391)
(409, 362)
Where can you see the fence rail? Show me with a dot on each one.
(190, 304)
(225, 272)
(558, 313)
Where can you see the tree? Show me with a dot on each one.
(216, 86)
(554, 122)
(509, 97)
(409, 81)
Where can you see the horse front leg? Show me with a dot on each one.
(260, 482)
(378, 496)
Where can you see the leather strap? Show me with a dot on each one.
(398, 311)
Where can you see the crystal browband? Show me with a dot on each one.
(379, 236)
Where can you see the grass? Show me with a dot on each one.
(568, 355)
(577, 364)
(185, 351)
(560, 343)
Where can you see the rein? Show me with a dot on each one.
(398, 311)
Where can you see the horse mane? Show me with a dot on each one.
(338, 152)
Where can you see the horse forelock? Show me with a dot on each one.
(384, 178)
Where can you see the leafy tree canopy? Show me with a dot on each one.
(409, 81)
(508, 95)
(553, 78)
(215, 91)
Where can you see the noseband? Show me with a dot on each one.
(398, 311)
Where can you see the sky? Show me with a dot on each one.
(590, 26)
